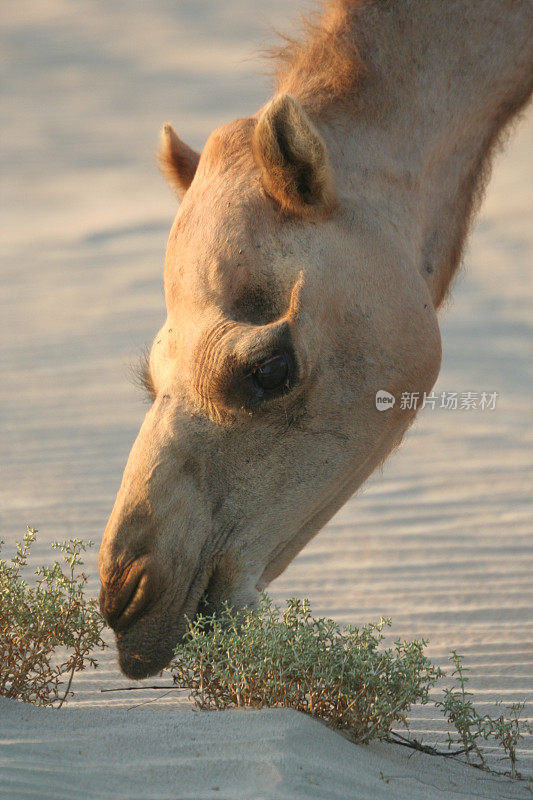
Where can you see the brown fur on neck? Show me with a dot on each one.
(430, 88)
(325, 65)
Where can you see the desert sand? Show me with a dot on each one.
(275, 754)
(440, 540)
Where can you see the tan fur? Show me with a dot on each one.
(323, 67)
(293, 158)
(222, 487)
(177, 161)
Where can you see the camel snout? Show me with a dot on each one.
(127, 593)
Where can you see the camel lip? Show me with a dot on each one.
(123, 599)
(129, 614)
(136, 666)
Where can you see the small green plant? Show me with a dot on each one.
(507, 730)
(271, 657)
(458, 708)
(471, 728)
(47, 631)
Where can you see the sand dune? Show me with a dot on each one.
(276, 754)
(440, 541)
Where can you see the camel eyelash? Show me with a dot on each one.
(142, 377)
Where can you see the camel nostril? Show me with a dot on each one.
(126, 596)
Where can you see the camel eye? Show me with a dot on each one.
(272, 374)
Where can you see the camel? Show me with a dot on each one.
(313, 246)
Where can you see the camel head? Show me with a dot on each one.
(289, 305)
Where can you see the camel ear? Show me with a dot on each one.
(293, 158)
(177, 161)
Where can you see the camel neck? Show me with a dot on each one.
(433, 85)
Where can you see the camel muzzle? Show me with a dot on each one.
(127, 594)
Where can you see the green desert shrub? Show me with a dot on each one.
(471, 728)
(343, 675)
(257, 658)
(49, 630)
(270, 657)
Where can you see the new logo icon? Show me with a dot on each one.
(384, 400)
